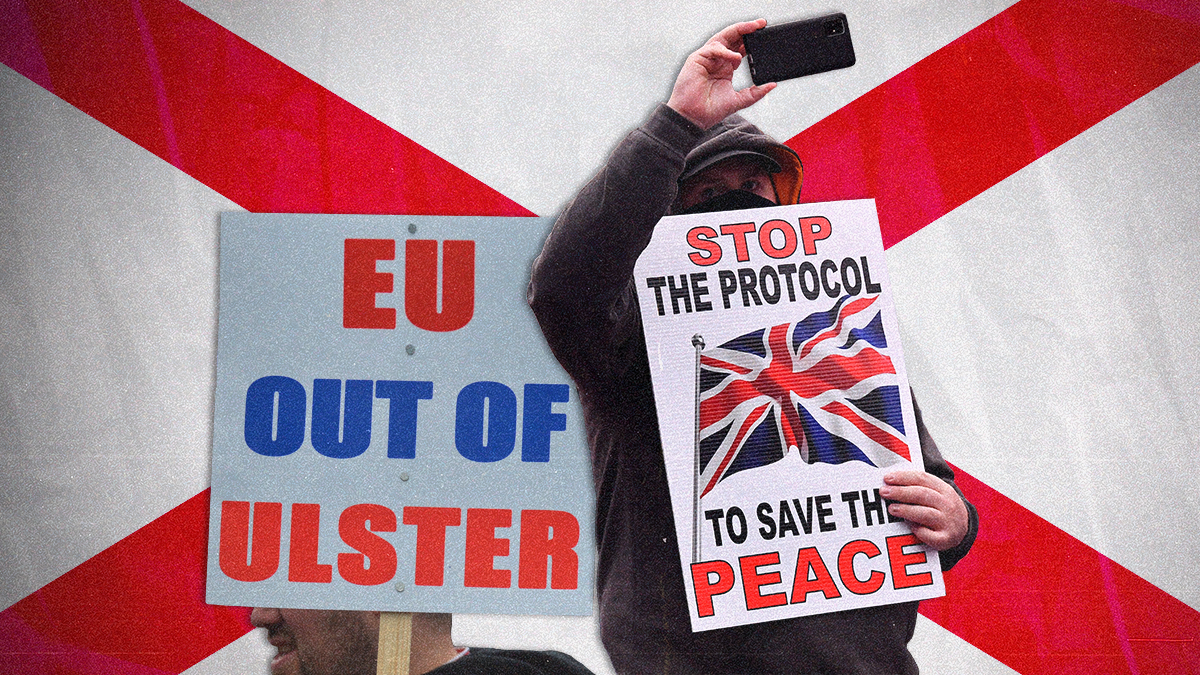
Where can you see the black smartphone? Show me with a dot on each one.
(799, 48)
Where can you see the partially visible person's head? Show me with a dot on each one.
(320, 642)
(735, 157)
(749, 173)
(337, 642)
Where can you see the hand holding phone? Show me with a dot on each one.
(704, 91)
(799, 48)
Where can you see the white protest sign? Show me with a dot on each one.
(390, 430)
(782, 401)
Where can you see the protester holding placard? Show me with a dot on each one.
(694, 154)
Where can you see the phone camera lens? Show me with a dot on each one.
(834, 27)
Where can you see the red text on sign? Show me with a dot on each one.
(546, 540)
(776, 238)
(424, 306)
(763, 585)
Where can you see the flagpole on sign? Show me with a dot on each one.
(395, 643)
(698, 343)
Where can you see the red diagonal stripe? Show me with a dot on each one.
(228, 114)
(267, 138)
(1044, 603)
(990, 103)
(136, 607)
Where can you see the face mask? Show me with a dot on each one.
(733, 200)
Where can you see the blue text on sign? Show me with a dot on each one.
(485, 425)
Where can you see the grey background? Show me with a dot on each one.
(1048, 324)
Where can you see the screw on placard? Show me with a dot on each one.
(404, 476)
(412, 228)
(399, 587)
(410, 350)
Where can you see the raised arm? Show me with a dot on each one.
(580, 289)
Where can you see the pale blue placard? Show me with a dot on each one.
(281, 318)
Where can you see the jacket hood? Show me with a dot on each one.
(734, 135)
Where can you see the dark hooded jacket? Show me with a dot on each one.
(583, 295)
(733, 136)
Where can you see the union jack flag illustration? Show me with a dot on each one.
(824, 385)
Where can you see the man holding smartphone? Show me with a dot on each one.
(693, 155)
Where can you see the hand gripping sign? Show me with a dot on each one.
(390, 431)
(782, 401)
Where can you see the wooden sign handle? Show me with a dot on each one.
(395, 643)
